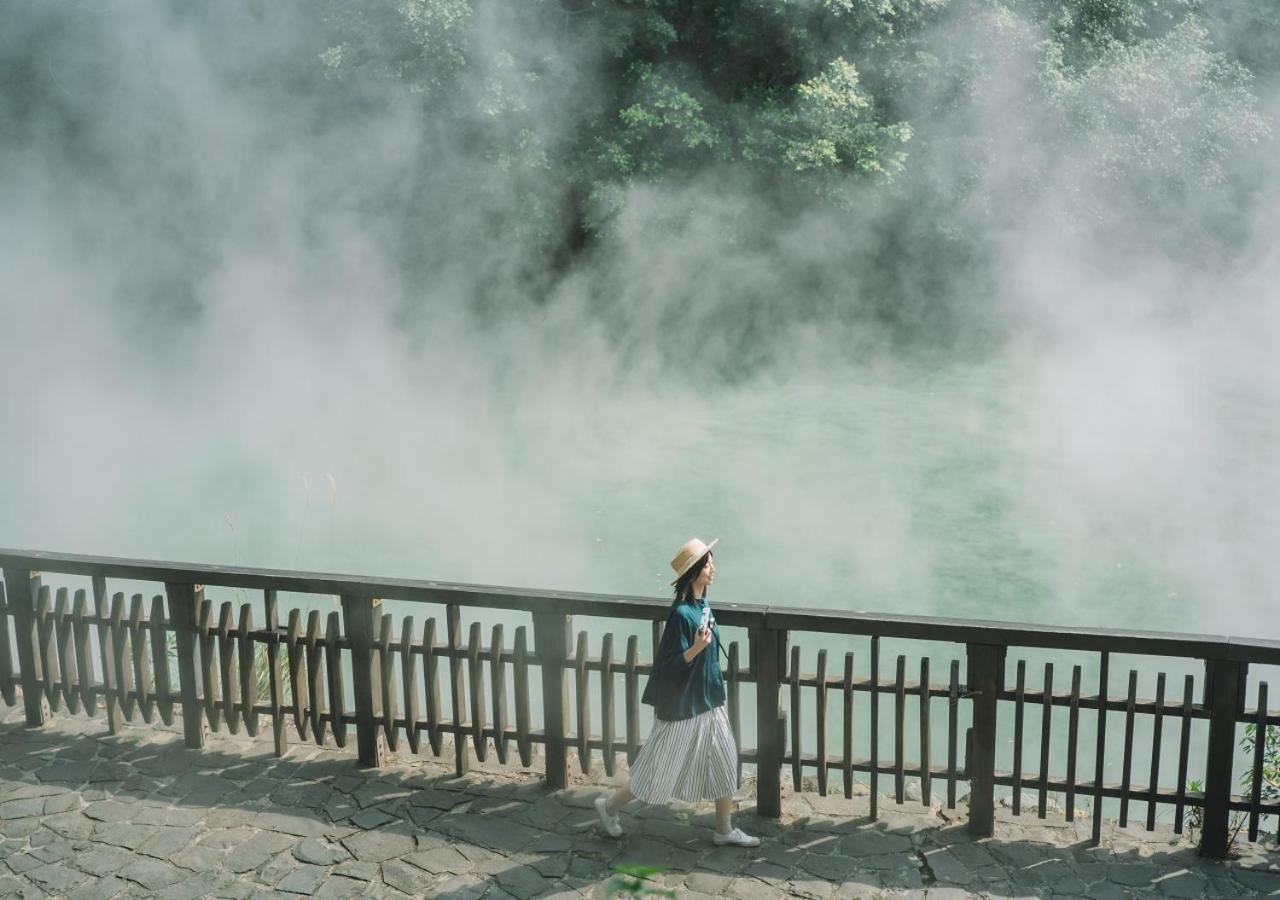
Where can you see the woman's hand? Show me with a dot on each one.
(703, 637)
(701, 640)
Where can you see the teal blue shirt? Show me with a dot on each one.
(678, 689)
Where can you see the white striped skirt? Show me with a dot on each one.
(690, 760)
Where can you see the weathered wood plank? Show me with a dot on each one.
(1100, 757)
(953, 727)
(67, 672)
(158, 623)
(524, 745)
(1127, 765)
(567, 603)
(386, 665)
(185, 600)
(315, 678)
(1019, 691)
(820, 719)
(7, 691)
(985, 679)
(457, 689)
(431, 684)
(899, 730)
(1073, 730)
(766, 662)
(846, 756)
(997, 633)
(793, 679)
(208, 681)
(1046, 729)
(926, 748)
(582, 701)
(551, 642)
(606, 703)
(631, 690)
(296, 648)
(46, 646)
(409, 683)
(120, 658)
(106, 653)
(23, 586)
(1153, 780)
(358, 623)
(1259, 754)
(337, 681)
(1184, 752)
(138, 634)
(279, 737)
(1225, 682)
(498, 681)
(85, 668)
(227, 667)
(733, 699)
(874, 774)
(247, 648)
(475, 672)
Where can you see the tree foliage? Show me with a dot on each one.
(576, 102)
(929, 128)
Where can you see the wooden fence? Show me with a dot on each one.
(182, 654)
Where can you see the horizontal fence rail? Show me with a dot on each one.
(436, 684)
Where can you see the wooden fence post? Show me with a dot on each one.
(1225, 692)
(551, 643)
(457, 688)
(107, 653)
(277, 679)
(366, 679)
(766, 648)
(984, 681)
(23, 587)
(183, 599)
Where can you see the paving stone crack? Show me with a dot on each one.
(926, 871)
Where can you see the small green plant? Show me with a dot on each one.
(1270, 761)
(635, 881)
(261, 668)
(1195, 815)
(1195, 819)
(1270, 788)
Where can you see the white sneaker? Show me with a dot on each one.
(735, 838)
(610, 824)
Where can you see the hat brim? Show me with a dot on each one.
(692, 561)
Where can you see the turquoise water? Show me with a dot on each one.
(983, 490)
(1023, 487)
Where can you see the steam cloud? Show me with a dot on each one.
(257, 309)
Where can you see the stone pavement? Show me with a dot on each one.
(87, 815)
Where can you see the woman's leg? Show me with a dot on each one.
(607, 810)
(725, 832)
(621, 797)
(724, 810)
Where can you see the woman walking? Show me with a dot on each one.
(690, 754)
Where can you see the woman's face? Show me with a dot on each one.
(705, 577)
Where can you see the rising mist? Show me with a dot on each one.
(363, 287)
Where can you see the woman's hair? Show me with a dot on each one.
(684, 584)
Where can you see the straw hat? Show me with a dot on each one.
(689, 554)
